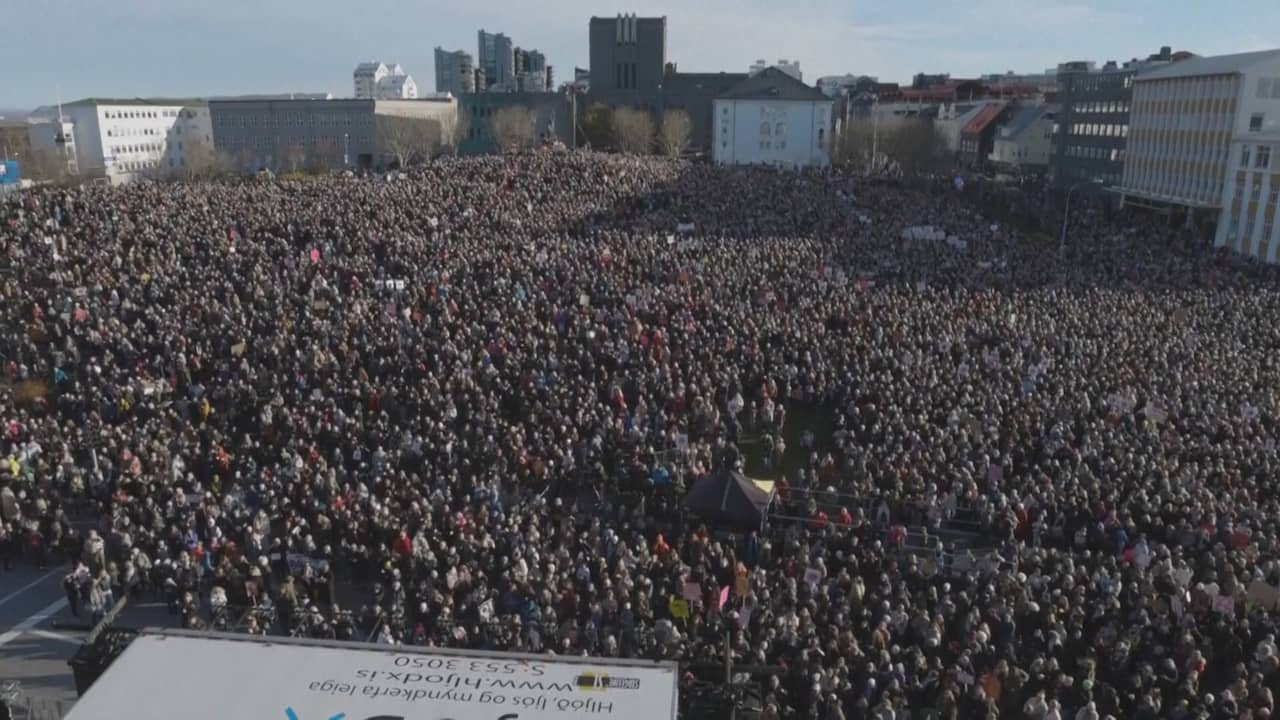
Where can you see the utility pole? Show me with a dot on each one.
(875, 132)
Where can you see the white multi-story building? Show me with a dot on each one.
(1202, 136)
(366, 78)
(379, 81)
(786, 66)
(122, 139)
(772, 118)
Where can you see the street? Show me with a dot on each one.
(32, 652)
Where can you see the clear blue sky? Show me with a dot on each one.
(179, 47)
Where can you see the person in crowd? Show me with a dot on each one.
(1012, 481)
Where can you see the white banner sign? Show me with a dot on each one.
(293, 680)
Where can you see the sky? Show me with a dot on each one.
(139, 48)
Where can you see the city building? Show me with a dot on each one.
(920, 81)
(582, 79)
(399, 86)
(366, 78)
(486, 59)
(1093, 120)
(123, 139)
(379, 81)
(552, 118)
(455, 72)
(1046, 82)
(497, 60)
(287, 135)
(628, 57)
(978, 136)
(694, 94)
(771, 118)
(837, 85)
(1025, 143)
(531, 82)
(271, 134)
(950, 120)
(790, 68)
(1202, 136)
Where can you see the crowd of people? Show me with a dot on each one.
(412, 407)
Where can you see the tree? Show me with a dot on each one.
(205, 162)
(676, 130)
(244, 161)
(458, 131)
(633, 130)
(913, 145)
(325, 156)
(44, 165)
(597, 126)
(407, 139)
(295, 156)
(513, 128)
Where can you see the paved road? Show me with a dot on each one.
(31, 651)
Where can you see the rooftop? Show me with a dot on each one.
(984, 118)
(773, 84)
(1026, 116)
(151, 102)
(1215, 65)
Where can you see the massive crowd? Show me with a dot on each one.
(377, 405)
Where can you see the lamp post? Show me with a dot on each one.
(346, 150)
(875, 132)
(1066, 215)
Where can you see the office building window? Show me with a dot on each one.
(1255, 122)
(1244, 156)
(1263, 160)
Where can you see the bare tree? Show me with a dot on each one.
(633, 130)
(205, 162)
(244, 160)
(513, 128)
(458, 131)
(913, 146)
(295, 156)
(597, 126)
(43, 165)
(325, 156)
(406, 139)
(673, 139)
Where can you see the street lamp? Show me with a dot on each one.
(1066, 214)
(346, 150)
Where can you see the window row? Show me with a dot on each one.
(1112, 106)
(1095, 153)
(135, 131)
(1261, 157)
(1100, 129)
(147, 114)
(148, 147)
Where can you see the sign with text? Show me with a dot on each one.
(284, 680)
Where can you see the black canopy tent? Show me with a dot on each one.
(731, 498)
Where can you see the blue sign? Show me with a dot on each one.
(9, 174)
